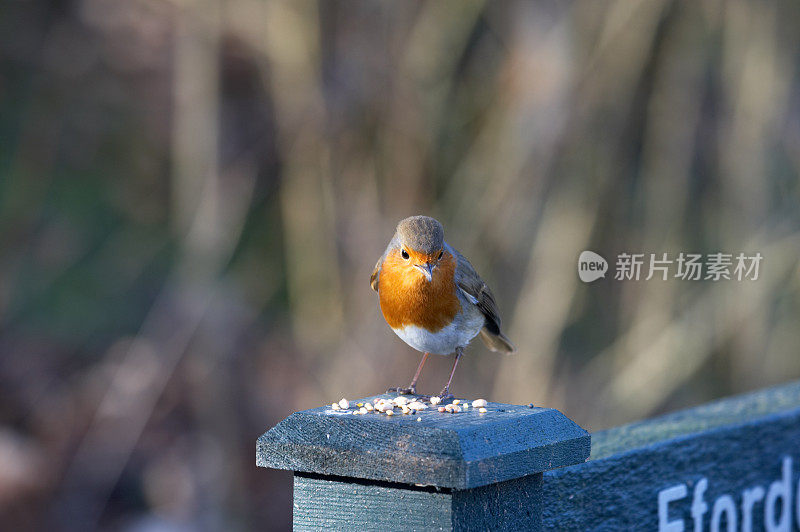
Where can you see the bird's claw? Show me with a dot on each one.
(445, 395)
(411, 390)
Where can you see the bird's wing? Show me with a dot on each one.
(376, 273)
(473, 287)
(476, 291)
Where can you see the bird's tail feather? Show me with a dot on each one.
(497, 342)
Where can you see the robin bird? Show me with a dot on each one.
(432, 298)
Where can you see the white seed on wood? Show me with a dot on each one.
(456, 401)
(435, 400)
(416, 405)
(389, 412)
(369, 407)
(362, 410)
(400, 400)
(344, 403)
(441, 409)
(335, 406)
(482, 410)
(419, 419)
(456, 408)
(477, 403)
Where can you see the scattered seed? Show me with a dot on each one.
(435, 400)
(362, 410)
(344, 403)
(400, 400)
(369, 407)
(359, 404)
(456, 401)
(456, 408)
(448, 408)
(419, 419)
(417, 405)
(482, 410)
(441, 409)
(477, 403)
(390, 412)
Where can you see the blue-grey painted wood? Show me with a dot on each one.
(325, 503)
(464, 450)
(731, 462)
(337, 504)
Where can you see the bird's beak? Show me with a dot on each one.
(426, 269)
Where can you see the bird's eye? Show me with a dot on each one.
(404, 253)
(441, 254)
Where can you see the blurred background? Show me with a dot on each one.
(193, 194)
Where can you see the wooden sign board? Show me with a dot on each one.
(729, 465)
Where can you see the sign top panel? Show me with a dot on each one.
(460, 451)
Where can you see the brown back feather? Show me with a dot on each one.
(471, 283)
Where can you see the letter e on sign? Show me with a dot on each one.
(666, 496)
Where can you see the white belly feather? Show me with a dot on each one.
(459, 333)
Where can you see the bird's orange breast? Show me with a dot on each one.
(407, 298)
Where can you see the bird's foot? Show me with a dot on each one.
(411, 390)
(445, 395)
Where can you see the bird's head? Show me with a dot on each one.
(419, 244)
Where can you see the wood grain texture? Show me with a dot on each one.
(461, 451)
(326, 504)
(336, 504)
(735, 444)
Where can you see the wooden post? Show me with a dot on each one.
(430, 470)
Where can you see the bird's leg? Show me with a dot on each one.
(445, 395)
(412, 388)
